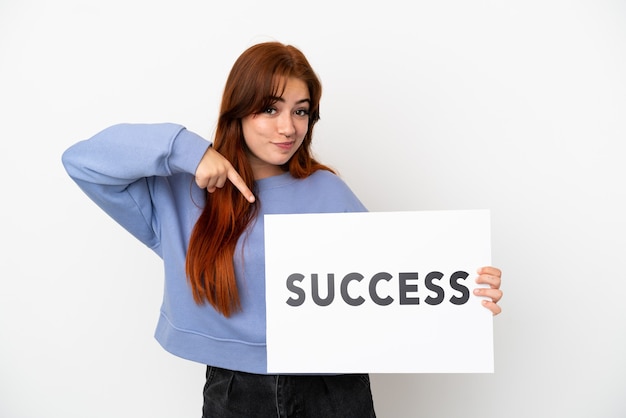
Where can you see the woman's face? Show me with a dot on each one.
(274, 135)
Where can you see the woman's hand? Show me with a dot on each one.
(214, 170)
(490, 276)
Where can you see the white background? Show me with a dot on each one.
(515, 106)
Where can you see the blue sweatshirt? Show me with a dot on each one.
(143, 177)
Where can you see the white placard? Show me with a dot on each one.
(400, 299)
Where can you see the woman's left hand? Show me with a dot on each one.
(490, 276)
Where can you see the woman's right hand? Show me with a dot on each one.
(214, 170)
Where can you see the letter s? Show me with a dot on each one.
(295, 277)
(434, 275)
(454, 283)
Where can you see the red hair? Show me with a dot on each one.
(257, 76)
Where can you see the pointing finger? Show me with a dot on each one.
(238, 182)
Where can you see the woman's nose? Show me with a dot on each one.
(286, 126)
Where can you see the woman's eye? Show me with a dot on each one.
(302, 112)
(270, 110)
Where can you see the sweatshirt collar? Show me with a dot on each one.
(275, 181)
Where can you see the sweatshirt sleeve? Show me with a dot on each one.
(117, 168)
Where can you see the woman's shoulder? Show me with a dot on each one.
(322, 191)
(321, 180)
(327, 177)
(326, 180)
(334, 188)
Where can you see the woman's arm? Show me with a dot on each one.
(117, 169)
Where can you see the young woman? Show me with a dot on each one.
(199, 205)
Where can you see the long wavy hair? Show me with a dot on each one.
(258, 76)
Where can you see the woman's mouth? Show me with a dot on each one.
(284, 145)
